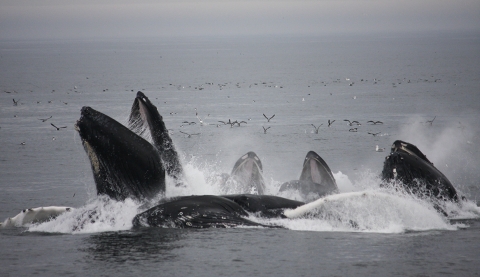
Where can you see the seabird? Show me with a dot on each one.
(374, 122)
(268, 119)
(378, 149)
(189, 135)
(350, 123)
(15, 103)
(353, 130)
(374, 134)
(44, 119)
(58, 128)
(431, 121)
(265, 129)
(201, 120)
(316, 128)
(238, 123)
(330, 122)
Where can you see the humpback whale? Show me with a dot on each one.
(127, 165)
(144, 116)
(316, 179)
(246, 176)
(211, 211)
(407, 166)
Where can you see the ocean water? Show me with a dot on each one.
(402, 80)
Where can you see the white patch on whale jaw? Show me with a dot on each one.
(92, 156)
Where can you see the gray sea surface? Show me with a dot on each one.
(403, 80)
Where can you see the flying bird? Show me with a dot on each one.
(268, 119)
(202, 120)
(374, 134)
(316, 128)
(330, 122)
(265, 129)
(58, 128)
(189, 135)
(15, 103)
(238, 123)
(374, 122)
(350, 123)
(431, 121)
(44, 119)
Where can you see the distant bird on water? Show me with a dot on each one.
(378, 149)
(268, 119)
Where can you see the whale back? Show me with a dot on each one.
(123, 163)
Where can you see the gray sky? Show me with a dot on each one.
(25, 19)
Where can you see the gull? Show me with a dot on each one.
(44, 119)
(265, 129)
(330, 122)
(374, 134)
(378, 149)
(353, 130)
(15, 103)
(225, 123)
(202, 120)
(189, 123)
(238, 123)
(316, 128)
(374, 122)
(58, 128)
(431, 121)
(268, 119)
(189, 135)
(350, 123)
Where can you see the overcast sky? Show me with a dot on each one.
(44, 19)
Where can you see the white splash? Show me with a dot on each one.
(361, 206)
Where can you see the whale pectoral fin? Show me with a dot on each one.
(124, 164)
